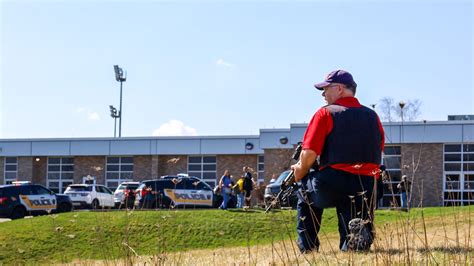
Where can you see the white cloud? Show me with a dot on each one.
(90, 115)
(221, 62)
(94, 116)
(174, 128)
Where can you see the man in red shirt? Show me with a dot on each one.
(348, 140)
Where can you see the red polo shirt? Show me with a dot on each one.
(319, 128)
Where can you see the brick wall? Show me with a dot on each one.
(25, 169)
(154, 166)
(235, 163)
(39, 169)
(89, 165)
(425, 171)
(276, 161)
(2, 170)
(172, 164)
(142, 168)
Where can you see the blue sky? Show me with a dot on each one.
(222, 68)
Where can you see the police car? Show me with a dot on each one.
(23, 198)
(177, 191)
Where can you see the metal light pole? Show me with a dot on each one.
(119, 76)
(114, 115)
(401, 104)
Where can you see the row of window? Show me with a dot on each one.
(204, 167)
(392, 161)
(118, 170)
(458, 184)
(458, 176)
(60, 173)
(11, 169)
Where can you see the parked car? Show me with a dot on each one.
(271, 191)
(124, 195)
(22, 199)
(90, 196)
(177, 191)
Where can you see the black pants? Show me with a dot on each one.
(350, 194)
(247, 197)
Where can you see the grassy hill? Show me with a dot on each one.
(118, 234)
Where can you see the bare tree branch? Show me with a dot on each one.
(385, 106)
(392, 111)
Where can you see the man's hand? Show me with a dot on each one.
(307, 159)
(298, 172)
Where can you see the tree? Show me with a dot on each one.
(391, 111)
(386, 109)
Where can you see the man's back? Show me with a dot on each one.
(354, 138)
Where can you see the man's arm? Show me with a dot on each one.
(319, 127)
(307, 159)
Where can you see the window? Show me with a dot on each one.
(39, 190)
(25, 190)
(107, 190)
(118, 170)
(203, 167)
(458, 181)
(392, 160)
(261, 169)
(102, 189)
(60, 173)
(11, 169)
(189, 184)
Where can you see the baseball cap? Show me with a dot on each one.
(337, 76)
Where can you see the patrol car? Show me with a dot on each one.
(177, 191)
(21, 199)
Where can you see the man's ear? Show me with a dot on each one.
(340, 90)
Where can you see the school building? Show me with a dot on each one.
(438, 156)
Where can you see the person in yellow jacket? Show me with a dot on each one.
(239, 192)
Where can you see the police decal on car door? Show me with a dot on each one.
(192, 197)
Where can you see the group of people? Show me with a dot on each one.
(242, 188)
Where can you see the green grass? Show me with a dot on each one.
(101, 235)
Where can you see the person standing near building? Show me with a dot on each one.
(225, 185)
(404, 188)
(249, 183)
(239, 192)
(349, 139)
